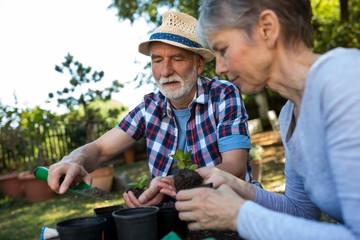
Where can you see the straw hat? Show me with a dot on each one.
(177, 29)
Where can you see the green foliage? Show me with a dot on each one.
(333, 28)
(81, 78)
(326, 11)
(21, 138)
(81, 100)
(141, 183)
(183, 160)
(337, 34)
(150, 10)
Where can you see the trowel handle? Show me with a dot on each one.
(41, 173)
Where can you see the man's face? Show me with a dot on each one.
(175, 71)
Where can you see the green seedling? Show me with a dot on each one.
(139, 184)
(183, 160)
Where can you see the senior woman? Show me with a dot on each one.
(264, 43)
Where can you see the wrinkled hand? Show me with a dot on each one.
(204, 208)
(65, 173)
(215, 176)
(151, 196)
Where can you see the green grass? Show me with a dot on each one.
(23, 220)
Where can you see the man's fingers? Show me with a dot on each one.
(168, 180)
(87, 179)
(67, 181)
(168, 192)
(62, 175)
(167, 188)
(156, 200)
(134, 199)
(127, 200)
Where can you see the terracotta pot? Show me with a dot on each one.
(103, 177)
(129, 155)
(35, 190)
(11, 185)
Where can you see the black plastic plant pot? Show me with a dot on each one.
(168, 220)
(136, 223)
(109, 227)
(90, 228)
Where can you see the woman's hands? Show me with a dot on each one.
(206, 208)
(217, 208)
(215, 176)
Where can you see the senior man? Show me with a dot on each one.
(187, 112)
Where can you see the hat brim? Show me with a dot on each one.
(144, 48)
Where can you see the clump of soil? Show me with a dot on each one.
(205, 234)
(138, 187)
(168, 204)
(96, 193)
(186, 178)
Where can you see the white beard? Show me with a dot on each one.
(185, 85)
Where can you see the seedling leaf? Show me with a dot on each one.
(193, 167)
(183, 160)
(139, 184)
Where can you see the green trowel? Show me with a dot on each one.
(81, 188)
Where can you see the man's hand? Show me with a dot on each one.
(151, 196)
(167, 186)
(66, 173)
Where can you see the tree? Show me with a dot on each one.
(152, 10)
(79, 95)
(21, 138)
(335, 25)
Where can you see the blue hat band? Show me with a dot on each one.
(175, 38)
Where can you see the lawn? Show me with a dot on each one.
(22, 220)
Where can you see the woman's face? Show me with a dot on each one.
(246, 62)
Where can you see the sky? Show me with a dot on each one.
(36, 35)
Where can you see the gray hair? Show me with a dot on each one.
(294, 16)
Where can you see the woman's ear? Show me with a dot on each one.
(269, 27)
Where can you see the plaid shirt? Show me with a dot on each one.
(217, 111)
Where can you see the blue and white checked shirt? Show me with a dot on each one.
(218, 111)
